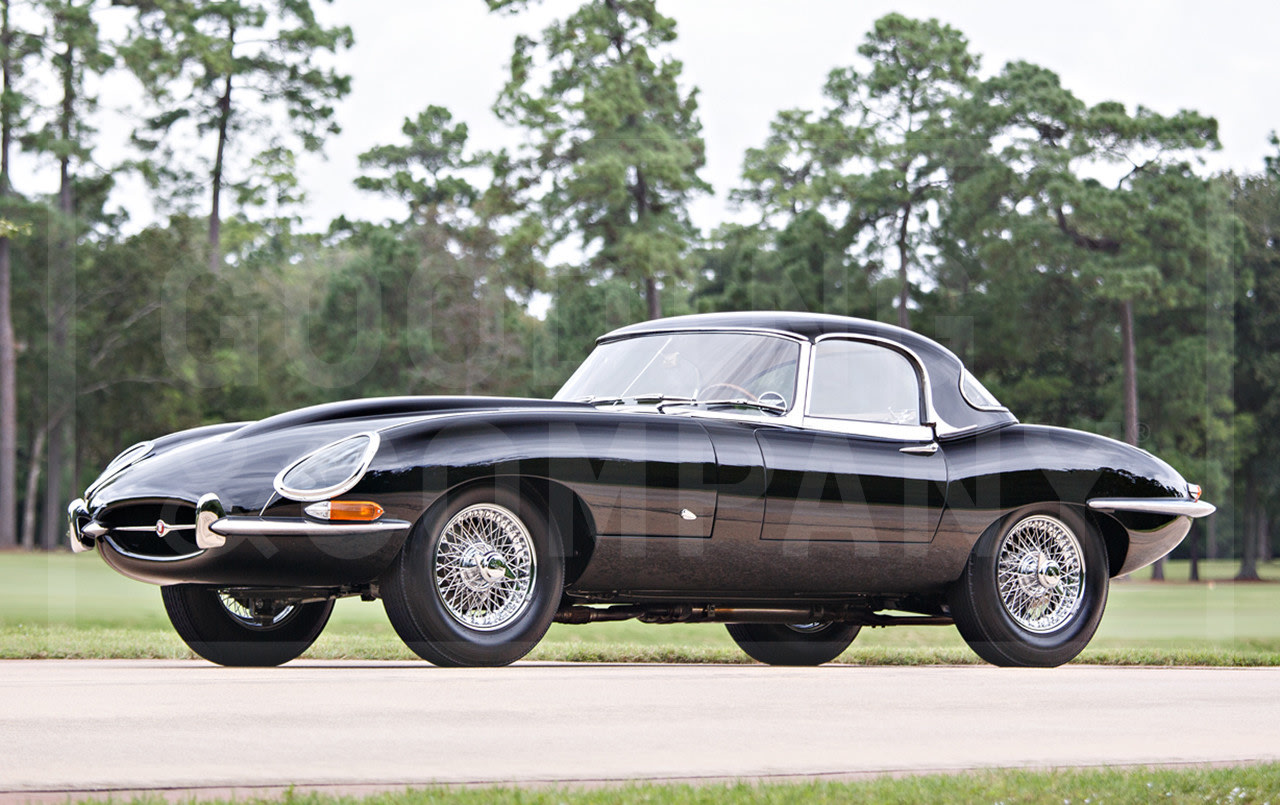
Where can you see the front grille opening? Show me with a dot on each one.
(134, 529)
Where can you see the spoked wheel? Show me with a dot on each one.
(225, 630)
(1033, 591)
(478, 582)
(793, 644)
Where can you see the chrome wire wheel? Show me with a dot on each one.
(1040, 573)
(484, 567)
(808, 628)
(244, 616)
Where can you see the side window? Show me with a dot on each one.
(864, 382)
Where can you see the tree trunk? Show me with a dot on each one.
(640, 192)
(1193, 545)
(215, 213)
(8, 409)
(55, 508)
(1264, 535)
(8, 349)
(62, 289)
(1129, 355)
(1249, 539)
(652, 298)
(33, 490)
(904, 287)
(1130, 373)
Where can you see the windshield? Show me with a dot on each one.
(690, 366)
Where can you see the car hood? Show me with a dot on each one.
(239, 461)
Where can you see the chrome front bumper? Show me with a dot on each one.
(213, 526)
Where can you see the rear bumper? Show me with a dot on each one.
(1173, 507)
(1155, 525)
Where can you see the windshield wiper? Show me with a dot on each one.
(772, 408)
(637, 399)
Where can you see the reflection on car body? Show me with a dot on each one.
(794, 476)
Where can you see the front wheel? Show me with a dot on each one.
(793, 644)
(478, 582)
(227, 631)
(1033, 590)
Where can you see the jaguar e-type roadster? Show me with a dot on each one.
(794, 476)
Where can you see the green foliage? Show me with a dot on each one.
(403, 314)
(616, 145)
(423, 172)
(1017, 219)
(231, 71)
(799, 267)
(874, 166)
(73, 47)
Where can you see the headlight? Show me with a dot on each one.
(129, 456)
(328, 471)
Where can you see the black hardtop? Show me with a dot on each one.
(941, 364)
(805, 325)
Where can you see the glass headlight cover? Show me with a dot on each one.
(129, 456)
(330, 470)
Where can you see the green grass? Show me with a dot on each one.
(1243, 785)
(72, 606)
(1210, 570)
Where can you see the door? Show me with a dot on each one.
(865, 466)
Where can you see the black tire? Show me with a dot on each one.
(216, 633)
(783, 644)
(1039, 622)
(427, 603)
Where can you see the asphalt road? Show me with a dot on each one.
(75, 726)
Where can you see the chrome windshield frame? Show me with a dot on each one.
(793, 416)
(797, 416)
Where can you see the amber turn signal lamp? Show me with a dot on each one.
(359, 511)
(1195, 491)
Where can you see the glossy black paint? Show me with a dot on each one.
(664, 506)
(826, 486)
(995, 473)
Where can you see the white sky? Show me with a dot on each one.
(751, 58)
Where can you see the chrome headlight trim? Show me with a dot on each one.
(126, 458)
(352, 478)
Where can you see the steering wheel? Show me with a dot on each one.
(732, 387)
(906, 416)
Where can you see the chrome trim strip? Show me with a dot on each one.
(1000, 409)
(1170, 506)
(920, 449)
(311, 495)
(152, 528)
(609, 338)
(794, 415)
(115, 546)
(872, 430)
(289, 527)
(926, 389)
(804, 371)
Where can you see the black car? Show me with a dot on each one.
(793, 476)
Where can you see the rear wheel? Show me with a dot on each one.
(793, 644)
(478, 582)
(1033, 590)
(229, 631)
